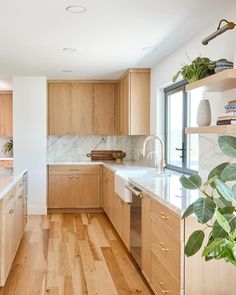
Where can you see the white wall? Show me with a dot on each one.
(30, 137)
(162, 72)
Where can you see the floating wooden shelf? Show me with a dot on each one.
(219, 82)
(223, 129)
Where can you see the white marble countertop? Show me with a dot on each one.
(167, 190)
(6, 159)
(8, 179)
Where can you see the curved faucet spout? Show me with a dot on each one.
(162, 161)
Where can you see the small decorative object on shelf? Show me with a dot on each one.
(118, 156)
(223, 64)
(8, 147)
(204, 113)
(229, 117)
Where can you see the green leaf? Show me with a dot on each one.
(194, 243)
(225, 191)
(217, 172)
(193, 182)
(229, 173)
(218, 231)
(204, 209)
(222, 221)
(215, 248)
(176, 76)
(227, 145)
(188, 211)
(219, 203)
(234, 189)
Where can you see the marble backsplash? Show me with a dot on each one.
(210, 154)
(75, 148)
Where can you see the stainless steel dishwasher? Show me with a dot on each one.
(135, 223)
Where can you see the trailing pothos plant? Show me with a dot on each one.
(215, 208)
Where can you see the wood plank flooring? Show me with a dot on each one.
(73, 254)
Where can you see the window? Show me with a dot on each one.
(181, 112)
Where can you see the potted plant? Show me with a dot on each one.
(8, 147)
(215, 208)
(199, 68)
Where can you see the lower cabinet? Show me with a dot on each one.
(161, 247)
(13, 221)
(74, 186)
(116, 209)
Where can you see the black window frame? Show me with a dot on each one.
(176, 87)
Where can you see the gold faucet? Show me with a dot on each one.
(162, 161)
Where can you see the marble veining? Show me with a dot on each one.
(75, 148)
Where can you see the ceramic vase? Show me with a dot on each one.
(204, 113)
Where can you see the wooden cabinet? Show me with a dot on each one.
(59, 109)
(161, 247)
(133, 114)
(116, 209)
(73, 186)
(87, 190)
(108, 191)
(81, 108)
(6, 111)
(12, 225)
(104, 109)
(61, 190)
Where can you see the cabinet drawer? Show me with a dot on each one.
(74, 168)
(161, 281)
(165, 247)
(166, 216)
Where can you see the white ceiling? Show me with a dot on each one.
(109, 37)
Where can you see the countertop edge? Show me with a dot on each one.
(156, 197)
(12, 183)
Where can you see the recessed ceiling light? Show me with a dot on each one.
(68, 49)
(149, 48)
(66, 71)
(76, 9)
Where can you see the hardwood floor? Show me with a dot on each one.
(73, 254)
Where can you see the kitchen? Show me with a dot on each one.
(104, 213)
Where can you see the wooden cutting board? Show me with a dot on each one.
(103, 155)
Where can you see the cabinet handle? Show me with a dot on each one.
(162, 248)
(71, 176)
(163, 216)
(10, 197)
(162, 290)
(11, 211)
(105, 180)
(77, 177)
(20, 197)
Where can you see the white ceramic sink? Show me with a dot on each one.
(121, 180)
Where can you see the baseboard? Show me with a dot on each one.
(75, 210)
(36, 210)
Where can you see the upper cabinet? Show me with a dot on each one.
(133, 106)
(104, 109)
(59, 109)
(101, 107)
(6, 120)
(81, 108)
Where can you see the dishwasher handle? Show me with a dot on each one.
(134, 190)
